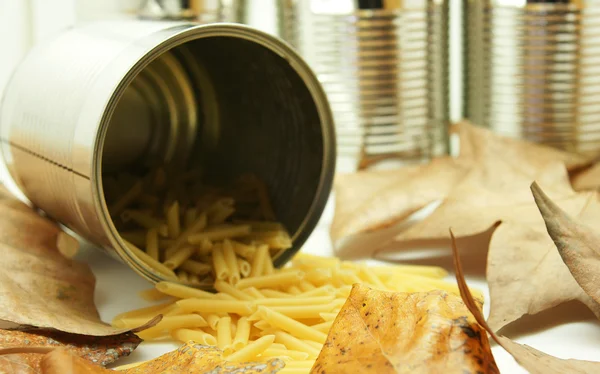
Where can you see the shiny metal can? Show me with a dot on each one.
(384, 66)
(532, 70)
(201, 11)
(116, 95)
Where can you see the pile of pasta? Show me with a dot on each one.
(193, 233)
(286, 313)
(225, 239)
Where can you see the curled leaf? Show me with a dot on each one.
(25, 349)
(385, 332)
(372, 200)
(577, 243)
(38, 285)
(530, 358)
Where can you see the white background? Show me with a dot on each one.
(24, 23)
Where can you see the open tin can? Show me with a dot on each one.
(117, 95)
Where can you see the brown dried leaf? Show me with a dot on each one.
(577, 243)
(385, 332)
(586, 178)
(61, 361)
(530, 358)
(38, 285)
(189, 358)
(489, 170)
(372, 200)
(524, 272)
(99, 350)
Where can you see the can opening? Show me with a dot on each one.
(226, 105)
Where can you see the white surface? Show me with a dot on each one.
(24, 22)
(117, 286)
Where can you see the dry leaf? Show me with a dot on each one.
(189, 358)
(99, 350)
(38, 285)
(586, 178)
(372, 200)
(577, 243)
(385, 332)
(524, 272)
(530, 358)
(490, 171)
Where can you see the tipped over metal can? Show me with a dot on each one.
(119, 95)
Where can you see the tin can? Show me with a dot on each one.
(113, 95)
(384, 66)
(201, 11)
(532, 70)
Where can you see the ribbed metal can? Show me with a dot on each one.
(119, 95)
(201, 11)
(384, 66)
(532, 70)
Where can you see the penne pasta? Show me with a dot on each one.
(227, 288)
(126, 199)
(152, 244)
(306, 286)
(278, 352)
(184, 335)
(224, 334)
(150, 262)
(290, 325)
(213, 321)
(152, 294)
(242, 333)
(183, 276)
(294, 290)
(242, 308)
(252, 350)
(195, 267)
(291, 342)
(255, 293)
(179, 257)
(189, 217)
(220, 233)
(296, 301)
(182, 292)
(173, 224)
(304, 311)
(272, 280)
(259, 260)
(243, 250)
(274, 293)
(220, 264)
(323, 326)
(231, 261)
(149, 311)
(145, 220)
(244, 267)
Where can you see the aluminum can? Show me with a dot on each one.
(119, 95)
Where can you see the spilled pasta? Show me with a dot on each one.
(203, 238)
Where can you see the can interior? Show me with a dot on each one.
(227, 106)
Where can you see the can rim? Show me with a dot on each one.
(178, 35)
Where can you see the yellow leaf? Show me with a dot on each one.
(385, 332)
